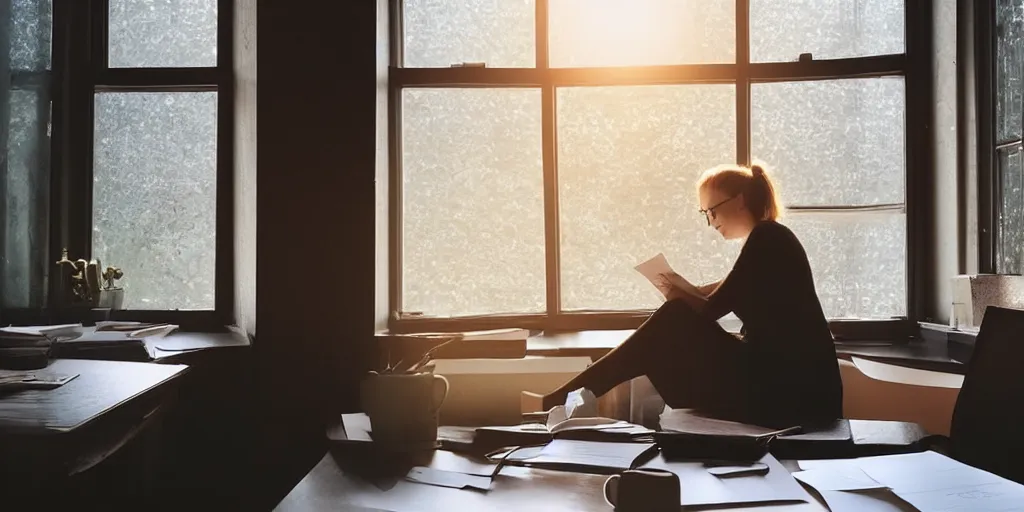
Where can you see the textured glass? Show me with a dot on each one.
(439, 33)
(31, 23)
(628, 161)
(835, 142)
(1011, 214)
(473, 201)
(1009, 69)
(780, 30)
(25, 202)
(859, 261)
(587, 33)
(154, 196)
(163, 33)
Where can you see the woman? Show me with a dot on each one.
(782, 369)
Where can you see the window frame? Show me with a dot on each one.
(911, 65)
(80, 70)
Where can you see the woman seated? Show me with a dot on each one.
(781, 370)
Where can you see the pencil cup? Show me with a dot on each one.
(643, 490)
(403, 409)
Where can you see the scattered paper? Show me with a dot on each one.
(874, 501)
(700, 488)
(11, 380)
(451, 479)
(737, 470)
(443, 460)
(592, 454)
(848, 479)
(932, 482)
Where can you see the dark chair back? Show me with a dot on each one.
(988, 421)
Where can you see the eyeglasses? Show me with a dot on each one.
(709, 213)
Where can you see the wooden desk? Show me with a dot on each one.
(101, 387)
(47, 436)
(329, 487)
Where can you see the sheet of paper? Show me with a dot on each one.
(838, 431)
(932, 482)
(451, 479)
(865, 501)
(587, 454)
(33, 379)
(700, 488)
(851, 479)
(692, 422)
(662, 276)
(443, 460)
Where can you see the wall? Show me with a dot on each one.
(315, 237)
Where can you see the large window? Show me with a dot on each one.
(1008, 177)
(543, 148)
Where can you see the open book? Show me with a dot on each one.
(663, 277)
(558, 426)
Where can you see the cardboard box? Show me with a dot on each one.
(487, 391)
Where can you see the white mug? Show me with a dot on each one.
(403, 408)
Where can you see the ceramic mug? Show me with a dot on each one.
(403, 408)
(646, 490)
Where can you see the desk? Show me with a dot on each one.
(329, 487)
(49, 435)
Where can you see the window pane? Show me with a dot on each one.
(154, 196)
(642, 32)
(1011, 213)
(832, 142)
(859, 261)
(628, 161)
(1009, 69)
(24, 228)
(31, 24)
(473, 201)
(439, 33)
(780, 30)
(163, 33)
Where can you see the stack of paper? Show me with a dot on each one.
(29, 347)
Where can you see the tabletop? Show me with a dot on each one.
(331, 487)
(101, 386)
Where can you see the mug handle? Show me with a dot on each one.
(440, 390)
(611, 489)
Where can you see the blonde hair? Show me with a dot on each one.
(757, 188)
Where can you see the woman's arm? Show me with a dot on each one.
(682, 289)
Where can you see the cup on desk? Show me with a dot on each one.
(643, 490)
(403, 408)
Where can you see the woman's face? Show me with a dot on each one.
(726, 213)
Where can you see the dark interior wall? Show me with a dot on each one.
(315, 258)
(245, 164)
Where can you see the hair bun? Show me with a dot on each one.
(757, 171)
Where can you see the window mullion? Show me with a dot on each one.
(743, 82)
(552, 248)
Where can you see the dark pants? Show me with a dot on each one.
(691, 361)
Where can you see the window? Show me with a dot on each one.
(1009, 122)
(141, 152)
(156, 150)
(543, 148)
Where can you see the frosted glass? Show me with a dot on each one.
(439, 33)
(628, 160)
(1010, 251)
(1009, 67)
(31, 29)
(163, 33)
(859, 261)
(780, 30)
(642, 32)
(154, 196)
(473, 201)
(832, 142)
(25, 184)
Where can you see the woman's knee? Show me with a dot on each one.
(676, 308)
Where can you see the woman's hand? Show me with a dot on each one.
(675, 293)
